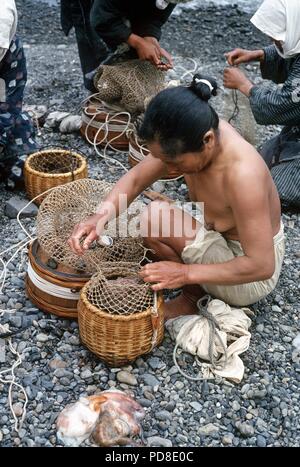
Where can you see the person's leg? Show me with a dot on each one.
(16, 128)
(270, 149)
(92, 51)
(166, 231)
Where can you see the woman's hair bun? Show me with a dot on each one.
(204, 87)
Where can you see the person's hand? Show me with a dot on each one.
(148, 50)
(234, 78)
(90, 229)
(166, 61)
(238, 56)
(165, 275)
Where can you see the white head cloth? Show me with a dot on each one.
(280, 20)
(8, 24)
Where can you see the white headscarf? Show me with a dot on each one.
(280, 19)
(8, 24)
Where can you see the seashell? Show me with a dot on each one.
(77, 421)
(111, 417)
(119, 420)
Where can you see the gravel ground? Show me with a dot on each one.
(264, 409)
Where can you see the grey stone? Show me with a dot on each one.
(145, 402)
(207, 430)
(158, 186)
(15, 204)
(245, 429)
(57, 363)
(296, 342)
(85, 374)
(196, 406)
(276, 309)
(155, 363)
(163, 415)
(227, 439)
(261, 441)
(16, 321)
(127, 378)
(157, 441)
(42, 337)
(236, 406)
(150, 380)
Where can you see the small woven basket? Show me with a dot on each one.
(118, 339)
(52, 167)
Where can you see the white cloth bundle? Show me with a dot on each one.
(192, 334)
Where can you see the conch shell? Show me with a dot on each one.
(111, 417)
(119, 420)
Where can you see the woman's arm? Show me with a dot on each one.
(130, 186)
(273, 67)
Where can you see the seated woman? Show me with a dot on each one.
(237, 254)
(280, 62)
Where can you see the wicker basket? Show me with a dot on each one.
(39, 271)
(116, 339)
(52, 167)
(102, 126)
(138, 151)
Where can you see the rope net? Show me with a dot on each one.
(118, 290)
(129, 84)
(70, 204)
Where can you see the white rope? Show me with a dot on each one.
(49, 288)
(106, 127)
(19, 247)
(12, 383)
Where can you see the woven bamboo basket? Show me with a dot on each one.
(41, 269)
(138, 151)
(52, 167)
(103, 126)
(118, 339)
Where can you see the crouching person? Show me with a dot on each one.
(16, 129)
(236, 254)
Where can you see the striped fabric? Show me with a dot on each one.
(287, 180)
(279, 106)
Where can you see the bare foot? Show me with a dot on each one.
(179, 306)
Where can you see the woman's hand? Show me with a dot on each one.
(91, 229)
(238, 56)
(166, 275)
(234, 78)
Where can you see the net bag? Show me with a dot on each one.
(128, 84)
(70, 204)
(52, 167)
(119, 316)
